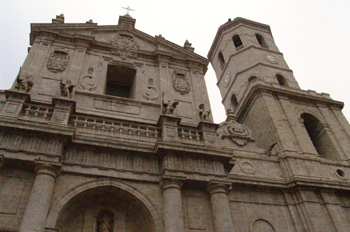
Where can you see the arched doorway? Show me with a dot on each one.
(104, 206)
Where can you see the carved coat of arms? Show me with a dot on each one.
(58, 60)
(125, 45)
(181, 82)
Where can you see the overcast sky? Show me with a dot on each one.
(314, 36)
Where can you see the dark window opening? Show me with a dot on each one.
(221, 60)
(234, 102)
(319, 136)
(261, 41)
(120, 81)
(252, 78)
(281, 80)
(237, 42)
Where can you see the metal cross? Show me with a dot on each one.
(128, 9)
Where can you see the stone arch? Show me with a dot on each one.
(319, 136)
(71, 193)
(262, 225)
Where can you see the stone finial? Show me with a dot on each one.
(188, 46)
(58, 19)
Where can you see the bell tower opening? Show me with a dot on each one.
(319, 136)
(261, 41)
(221, 61)
(237, 42)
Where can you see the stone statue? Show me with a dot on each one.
(66, 89)
(105, 224)
(168, 108)
(24, 83)
(204, 113)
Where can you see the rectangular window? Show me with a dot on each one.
(119, 81)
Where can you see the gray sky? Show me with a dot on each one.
(312, 35)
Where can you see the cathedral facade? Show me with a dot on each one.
(109, 129)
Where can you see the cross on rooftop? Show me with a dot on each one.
(128, 9)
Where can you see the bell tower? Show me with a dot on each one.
(260, 91)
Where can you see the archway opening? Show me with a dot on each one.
(319, 136)
(105, 209)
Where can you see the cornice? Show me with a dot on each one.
(259, 86)
(55, 32)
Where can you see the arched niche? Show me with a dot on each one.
(83, 208)
(319, 136)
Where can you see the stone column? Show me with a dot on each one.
(172, 206)
(220, 208)
(38, 205)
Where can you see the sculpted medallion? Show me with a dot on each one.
(181, 82)
(88, 82)
(125, 45)
(58, 60)
(151, 92)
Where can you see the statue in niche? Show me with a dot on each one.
(105, 221)
(88, 82)
(204, 113)
(105, 224)
(24, 83)
(169, 107)
(66, 89)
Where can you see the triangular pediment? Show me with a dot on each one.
(113, 35)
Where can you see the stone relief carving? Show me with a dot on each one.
(151, 91)
(58, 60)
(24, 83)
(124, 45)
(169, 107)
(66, 89)
(181, 82)
(88, 82)
(235, 131)
(204, 113)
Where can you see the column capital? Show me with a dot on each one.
(170, 183)
(49, 168)
(218, 187)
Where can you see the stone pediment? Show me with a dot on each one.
(115, 37)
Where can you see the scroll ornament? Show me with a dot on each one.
(235, 131)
